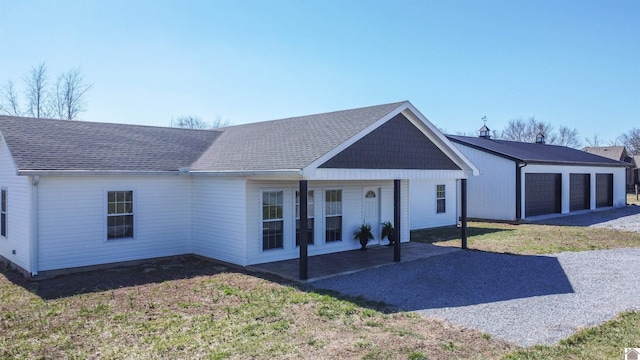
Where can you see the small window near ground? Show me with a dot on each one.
(119, 214)
(310, 217)
(3, 213)
(440, 199)
(333, 215)
(272, 220)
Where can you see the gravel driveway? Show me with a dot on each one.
(527, 300)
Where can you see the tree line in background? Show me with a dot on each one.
(195, 122)
(65, 98)
(526, 131)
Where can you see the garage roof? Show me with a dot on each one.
(534, 152)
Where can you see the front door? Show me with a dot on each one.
(371, 212)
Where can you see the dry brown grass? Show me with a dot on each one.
(195, 309)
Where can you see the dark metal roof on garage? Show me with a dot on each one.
(534, 152)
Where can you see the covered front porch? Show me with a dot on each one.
(328, 265)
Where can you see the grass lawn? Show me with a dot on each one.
(529, 239)
(195, 309)
(192, 308)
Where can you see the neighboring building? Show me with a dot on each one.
(617, 153)
(521, 180)
(78, 194)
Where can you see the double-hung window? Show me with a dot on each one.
(119, 214)
(272, 220)
(333, 215)
(310, 217)
(3, 213)
(440, 199)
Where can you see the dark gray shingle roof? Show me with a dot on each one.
(45, 144)
(292, 143)
(535, 153)
(287, 144)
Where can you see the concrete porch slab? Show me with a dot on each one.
(346, 262)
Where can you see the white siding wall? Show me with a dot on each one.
(72, 220)
(352, 216)
(423, 204)
(18, 215)
(492, 194)
(219, 219)
(619, 182)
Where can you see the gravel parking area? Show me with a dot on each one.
(624, 218)
(527, 300)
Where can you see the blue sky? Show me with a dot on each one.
(572, 63)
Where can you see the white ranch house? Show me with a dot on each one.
(79, 194)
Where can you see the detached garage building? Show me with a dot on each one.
(520, 180)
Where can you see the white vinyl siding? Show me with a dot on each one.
(16, 245)
(424, 203)
(162, 219)
(492, 195)
(219, 218)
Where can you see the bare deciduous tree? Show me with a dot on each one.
(194, 122)
(69, 95)
(9, 100)
(631, 140)
(527, 130)
(190, 122)
(593, 141)
(219, 123)
(64, 99)
(35, 91)
(567, 137)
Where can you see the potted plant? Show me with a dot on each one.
(387, 231)
(364, 235)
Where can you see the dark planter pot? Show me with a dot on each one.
(363, 243)
(392, 238)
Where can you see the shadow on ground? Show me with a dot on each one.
(590, 218)
(118, 277)
(455, 279)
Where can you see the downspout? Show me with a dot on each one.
(519, 166)
(34, 227)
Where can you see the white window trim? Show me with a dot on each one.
(6, 212)
(441, 198)
(324, 218)
(106, 215)
(284, 222)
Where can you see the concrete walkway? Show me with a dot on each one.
(346, 262)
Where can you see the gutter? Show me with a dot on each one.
(295, 173)
(29, 172)
(519, 166)
(33, 238)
